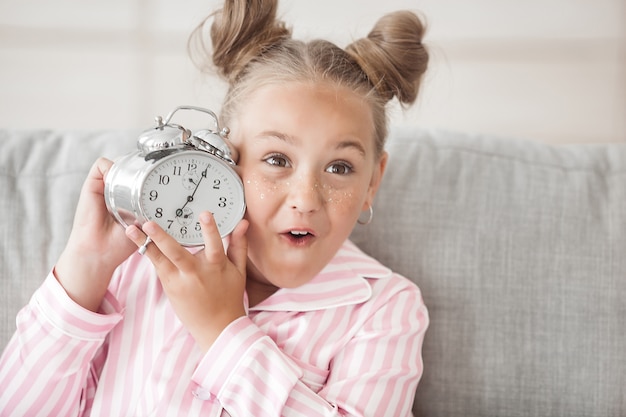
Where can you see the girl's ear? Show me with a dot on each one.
(377, 176)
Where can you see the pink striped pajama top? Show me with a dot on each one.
(346, 343)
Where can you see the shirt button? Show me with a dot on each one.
(202, 394)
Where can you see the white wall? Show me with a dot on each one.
(552, 70)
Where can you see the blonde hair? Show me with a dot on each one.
(251, 48)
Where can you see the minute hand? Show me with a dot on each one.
(179, 212)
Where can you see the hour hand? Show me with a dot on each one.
(190, 180)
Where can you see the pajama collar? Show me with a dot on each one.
(344, 281)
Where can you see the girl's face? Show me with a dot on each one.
(307, 161)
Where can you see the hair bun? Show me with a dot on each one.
(392, 56)
(240, 32)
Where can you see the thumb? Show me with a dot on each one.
(238, 247)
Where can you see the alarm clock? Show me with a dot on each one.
(174, 176)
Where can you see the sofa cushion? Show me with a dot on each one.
(520, 251)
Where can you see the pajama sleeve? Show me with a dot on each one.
(50, 364)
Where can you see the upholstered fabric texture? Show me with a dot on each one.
(519, 249)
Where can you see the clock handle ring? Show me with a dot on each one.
(196, 108)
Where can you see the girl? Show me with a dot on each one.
(292, 319)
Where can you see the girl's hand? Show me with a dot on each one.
(96, 246)
(205, 289)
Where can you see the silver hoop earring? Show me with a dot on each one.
(369, 218)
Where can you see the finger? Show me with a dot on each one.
(213, 247)
(166, 253)
(139, 238)
(143, 242)
(97, 172)
(91, 199)
(238, 247)
(103, 165)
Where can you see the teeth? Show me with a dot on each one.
(299, 233)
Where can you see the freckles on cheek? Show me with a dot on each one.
(341, 200)
(258, 187)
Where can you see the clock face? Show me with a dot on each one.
(181, 186)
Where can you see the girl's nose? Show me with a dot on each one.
(305, 194)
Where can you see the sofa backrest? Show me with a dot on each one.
(520, 251)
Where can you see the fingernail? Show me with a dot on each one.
(205, 217)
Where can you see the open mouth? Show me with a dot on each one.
(299, 237)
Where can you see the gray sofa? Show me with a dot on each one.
(519, 249)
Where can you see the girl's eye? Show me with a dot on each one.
(339, 168)
(277, 161)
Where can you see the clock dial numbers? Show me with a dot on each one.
(183, 185)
